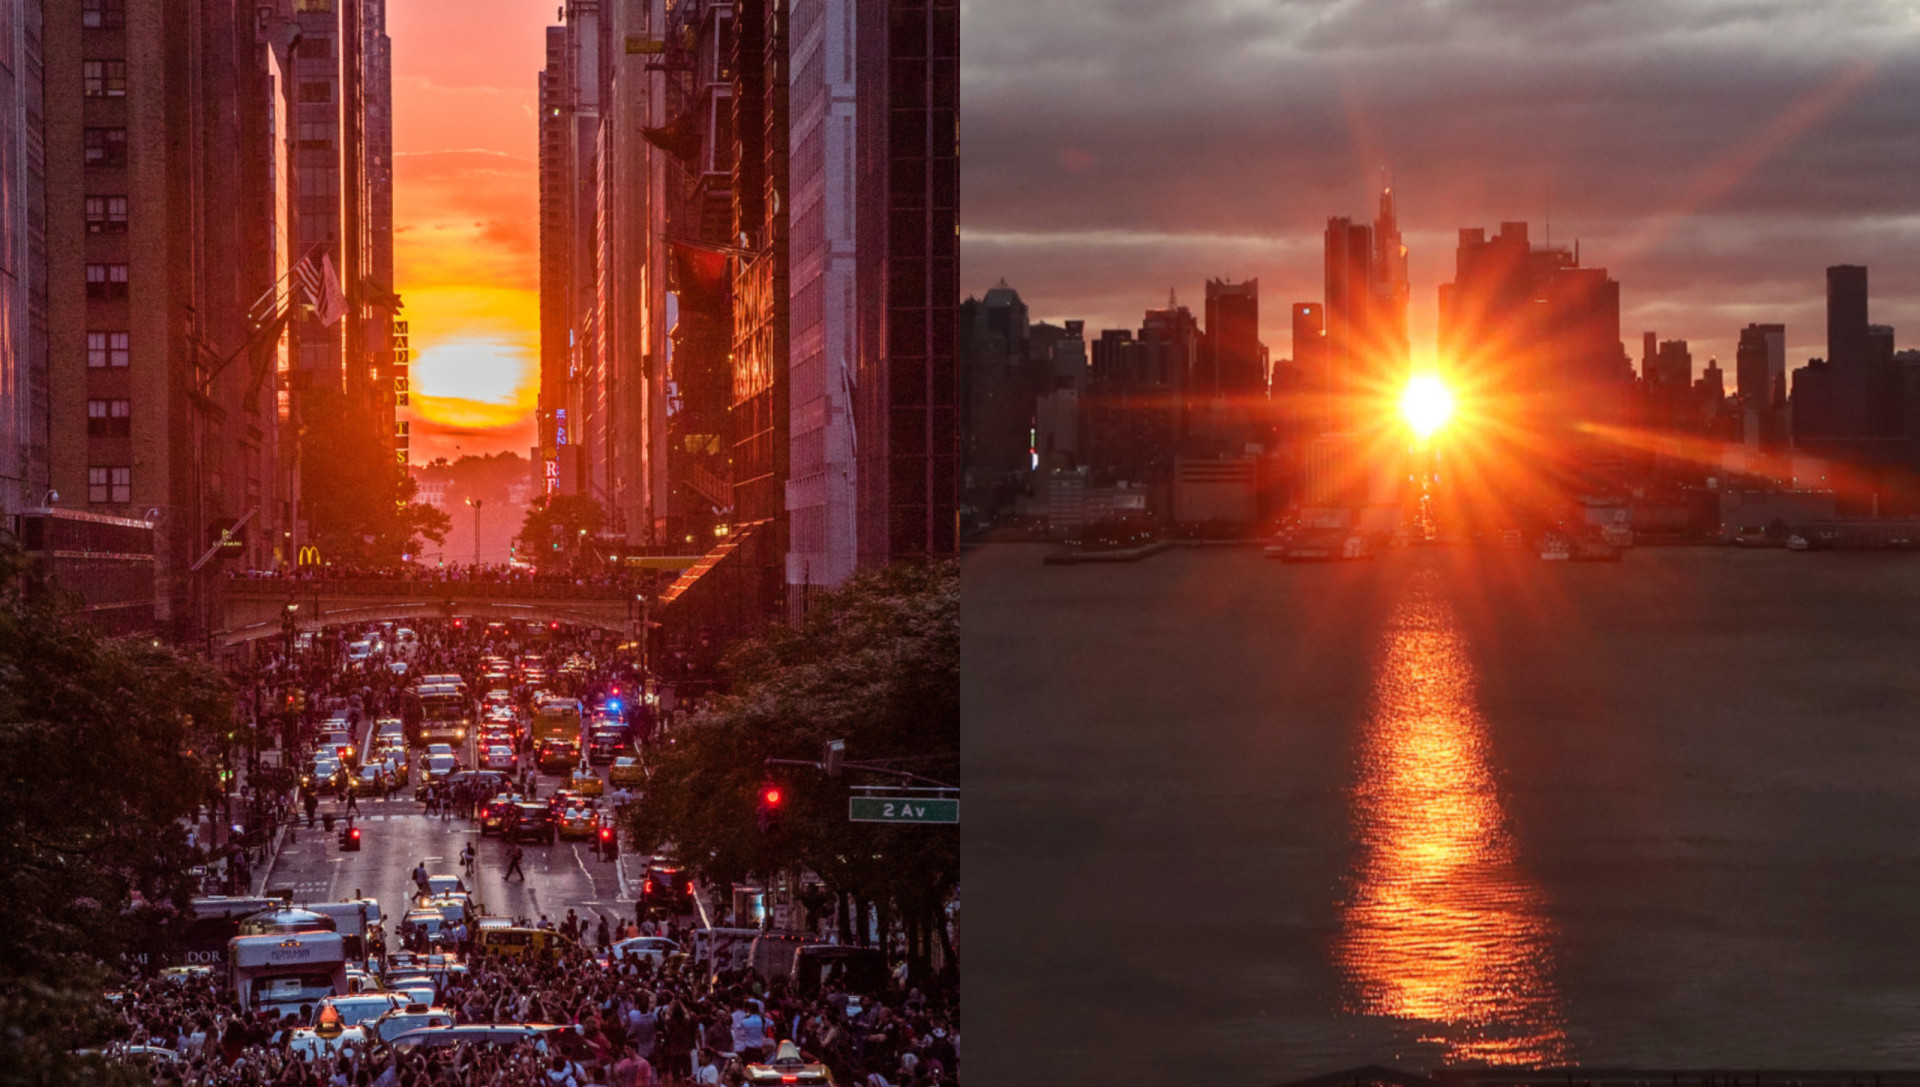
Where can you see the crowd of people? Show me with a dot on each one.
(440, 572)
(627, 1023)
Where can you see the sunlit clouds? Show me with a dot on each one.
(466, 202)
(1713, 156)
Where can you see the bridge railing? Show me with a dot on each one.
(423, 589)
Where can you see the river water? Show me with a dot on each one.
(1231, 821)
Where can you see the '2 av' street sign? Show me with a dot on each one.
(901, 809)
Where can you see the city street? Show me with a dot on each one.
(396, 834)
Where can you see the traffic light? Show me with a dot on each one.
(773, 801)
(300, 701)
(609, 845)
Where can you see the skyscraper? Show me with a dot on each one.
(164, 130)
(1846, 316)
(1233, 364)
(907, 276)
(1350, 304)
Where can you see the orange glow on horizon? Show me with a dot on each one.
(1442, 926)
(466, 213)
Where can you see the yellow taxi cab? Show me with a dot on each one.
(627, 772)
(579, 821)
(530, 943)
(586, 783)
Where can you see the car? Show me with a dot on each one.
(411, 1017)
(444, 883)
(455, 908)
(531, 821)
(424, 927)
(374, 777)
(653, 949)
(397, 667)
(439, 749)
(788, 1066)
(504, 1035)
(586, 783)
(666, 887)
(498, 757)
(354, 1010)
(324, 776)
(495, 813)
(314, 1043)
(627, 772)
(578, 822)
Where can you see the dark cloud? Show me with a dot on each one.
(1714, 155)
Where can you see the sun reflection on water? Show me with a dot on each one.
(1441, 925)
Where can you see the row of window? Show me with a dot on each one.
(106, 281)
(103, 78)
(109, 418)
(109, 484)
(105, 14)
(105, 146)
(106, 214)
(108, 350)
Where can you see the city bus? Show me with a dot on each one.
(281, 972)
(445, 714)
(557, 719)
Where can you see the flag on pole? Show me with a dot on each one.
(333, 301)
(308, 277)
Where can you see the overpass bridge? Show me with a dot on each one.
(254, 608)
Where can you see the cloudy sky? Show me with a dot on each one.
(466, 232)
(1714, 155)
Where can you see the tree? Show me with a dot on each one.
(359, 498)
(555, 524)
(875, 663)
(105, 749)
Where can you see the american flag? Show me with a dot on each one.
(307, 275)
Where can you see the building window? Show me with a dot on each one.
(106, 146)
(109, 485)
(316, 136)
(106, 14)
(316, 48)
(106, 281)
(107, 349)
(103, 78)
(313, 5)
(106, 214)
(109, 418)
(316, 92)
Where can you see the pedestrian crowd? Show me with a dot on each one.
(627, 1023)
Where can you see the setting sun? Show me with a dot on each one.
(1426, 405)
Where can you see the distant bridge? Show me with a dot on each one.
(255, 608)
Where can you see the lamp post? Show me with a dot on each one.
(475, 503)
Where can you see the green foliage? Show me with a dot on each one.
(875, 663)
(358, 496)
(487, 478)
(559, 519)
(104, 749)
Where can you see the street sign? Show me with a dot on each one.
(901, 809)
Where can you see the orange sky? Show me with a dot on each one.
(466, 231)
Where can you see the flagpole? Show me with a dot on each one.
(273, 289)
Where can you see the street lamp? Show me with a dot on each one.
(475, 503)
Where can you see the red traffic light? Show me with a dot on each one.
(354, 833)
(606, 834)
(771, 796)
(553, 626)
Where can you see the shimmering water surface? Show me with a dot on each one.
(1231, 821)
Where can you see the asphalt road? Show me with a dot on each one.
(397, 834)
